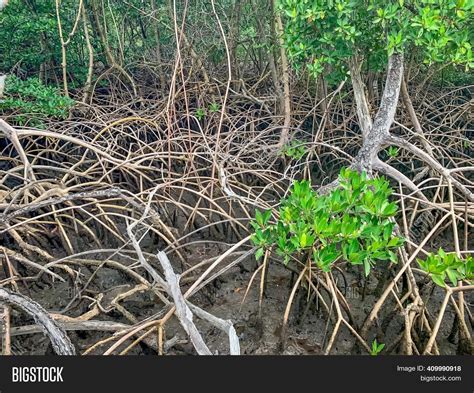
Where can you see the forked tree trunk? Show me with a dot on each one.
(375, 138)
(63, 49)
(379, 134)
(379, 137)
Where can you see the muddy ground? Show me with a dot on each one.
(308, 327)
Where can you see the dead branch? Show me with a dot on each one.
(59, 339)
(183, 311)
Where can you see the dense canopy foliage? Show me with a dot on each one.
(329, 33)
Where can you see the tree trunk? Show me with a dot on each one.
(159, 57)
(234, 42)
(2, 84)
(90, 49)
(63, 49)
(111, 60)
(379, 133)
(362, 105)
(285, 75)
(414, 118)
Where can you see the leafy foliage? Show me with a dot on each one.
(376, 348)
(442, 266)
(214, 107)
(200, 113)
(295, 150)
(33, 100)
(353, 223)
(27, 30)
(392, 152)
(329, 32)
(29, 38)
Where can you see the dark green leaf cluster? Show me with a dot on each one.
(29, 37)
(325, 34)
(30, 98)
(442, 266)
(294, 150)
(23, 34)
(352, 223)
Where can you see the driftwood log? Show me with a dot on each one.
(59, 339)
(184, 312)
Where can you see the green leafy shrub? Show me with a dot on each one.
(442, 266)
(376, 348)
(392, 152)
(214, 107)
(294, 150)
(324, 35)
(200, 113)
(30, 99)
(352, 223)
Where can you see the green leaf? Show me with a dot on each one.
(376, 347)
(393, 257)
(438, 279)
(453, 276)
(266, 216)
(367, 267)
(259, 253)
(395, 242)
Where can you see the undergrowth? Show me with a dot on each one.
(30, 102)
